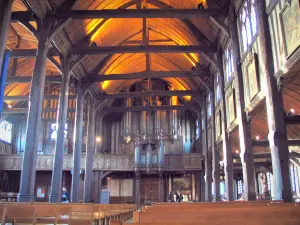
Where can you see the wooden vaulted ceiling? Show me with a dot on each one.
(114, 32)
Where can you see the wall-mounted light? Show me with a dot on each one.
(98, 139)
(257, 137)
(237, 151)
(292, 111)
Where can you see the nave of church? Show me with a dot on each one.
(144, 106)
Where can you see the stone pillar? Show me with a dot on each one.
(161, 187)
(55, 193)
(90, 149)
(137, 189)
(244, 131)
(77, 143)
(227, 152)
(275, 111)
(5, 13)
(215, 151)
(33, 128)
(207, 159)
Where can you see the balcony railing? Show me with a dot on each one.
(104, 162)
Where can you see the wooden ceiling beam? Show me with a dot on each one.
(25, 110)
(148, 94)
(140, 13)
(145, 75)
(26, 97)
(21, 16)
(27, 53)
(148, 108)
(265, 143)
(294, 119)
(27, 79)
(99, 78)
(145, 49)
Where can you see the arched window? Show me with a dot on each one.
(218, 89)
(228, 63)
(248, 23)
(5, 131)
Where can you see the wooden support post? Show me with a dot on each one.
(90, 150)
(27, 184)
(137, 189)
(227, 152)
(161, 187)
(5, 14)
(214, 150)
(207, 159)
(244, 131)
(55, 193)
(275, 111)
(77, 144)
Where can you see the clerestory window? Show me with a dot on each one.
(228, 64)
(248, 24)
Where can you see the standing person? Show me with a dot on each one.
(179, 197)
(171, 197)
(65, 198)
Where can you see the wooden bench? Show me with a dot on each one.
(75, 214)
(220, 213)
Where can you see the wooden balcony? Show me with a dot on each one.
(174, 162)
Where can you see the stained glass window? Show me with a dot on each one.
(248, 24)
(5, 131)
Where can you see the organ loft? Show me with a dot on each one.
(149, 101)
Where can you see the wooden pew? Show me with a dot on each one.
(219, 213)
(75, 214)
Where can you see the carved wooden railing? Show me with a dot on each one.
(104, 162)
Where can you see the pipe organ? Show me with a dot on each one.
(149, 135)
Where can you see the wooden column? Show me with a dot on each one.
(214, 150)
(56, 188)
(161, 187)
(33, 128)
(244, 131)
(207, 159)
(227, 152)
(5, 13)
(90, 149)
(137, 189)
(275, 111)
(77, 143)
